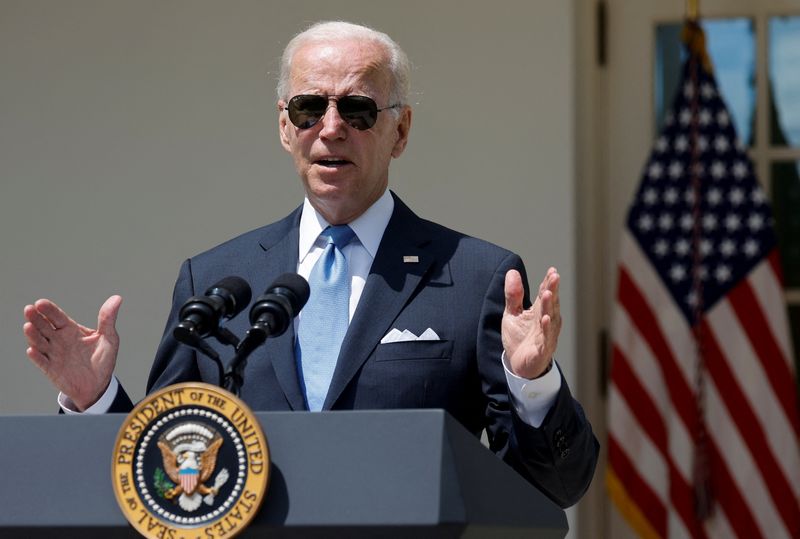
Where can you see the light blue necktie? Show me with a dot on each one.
(325, 317)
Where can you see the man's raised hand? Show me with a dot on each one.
(78, 360)
(530, 335)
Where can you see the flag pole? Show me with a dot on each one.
(692, 9)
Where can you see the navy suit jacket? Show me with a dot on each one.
(455, 287)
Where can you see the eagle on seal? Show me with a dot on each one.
(190, 470)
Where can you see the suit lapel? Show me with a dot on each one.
(280, 244)
(390, 283)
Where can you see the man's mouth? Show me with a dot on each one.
(333, 162)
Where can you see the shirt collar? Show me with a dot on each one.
(369, 226)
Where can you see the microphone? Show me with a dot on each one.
(274, 310)
(200, 315)
(270, 315)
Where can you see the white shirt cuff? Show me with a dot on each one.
(102, 405)
(532, 399)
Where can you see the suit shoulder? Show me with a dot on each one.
(265, 236)
(465, 242)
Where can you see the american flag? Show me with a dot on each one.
(702, 361)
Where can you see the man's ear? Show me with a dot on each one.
(284, 126)
(403, 127)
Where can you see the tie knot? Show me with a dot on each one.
(339, 235)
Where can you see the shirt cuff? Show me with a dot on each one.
(532, 399)
(102, 405)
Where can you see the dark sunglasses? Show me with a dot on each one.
(358, 111)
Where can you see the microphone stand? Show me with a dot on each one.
(234, 376)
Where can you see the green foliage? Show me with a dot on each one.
(161, 483)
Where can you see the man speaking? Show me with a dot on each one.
(403, 313)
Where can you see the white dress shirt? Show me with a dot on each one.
(532, 399)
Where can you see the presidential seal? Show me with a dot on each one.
(190, 461)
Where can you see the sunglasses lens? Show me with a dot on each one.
(358, 111)
(306, 110)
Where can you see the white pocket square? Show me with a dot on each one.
(395, 335)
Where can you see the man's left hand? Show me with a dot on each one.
(530, 335)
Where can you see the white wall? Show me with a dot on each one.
(136, 133)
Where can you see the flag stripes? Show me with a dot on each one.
(753, 443)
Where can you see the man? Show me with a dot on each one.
(466, 343)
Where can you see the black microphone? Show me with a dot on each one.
(200, 315)
(270, 316)
(274, 310)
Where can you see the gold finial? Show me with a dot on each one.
(692, 9)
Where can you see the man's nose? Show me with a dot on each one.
(333, 126)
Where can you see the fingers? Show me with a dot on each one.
(107, 317)
(53, 314)
(35, 337)
(38, 358)
(514, 292)
(35, 318)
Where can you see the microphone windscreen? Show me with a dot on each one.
(297, 285)
(235, 291)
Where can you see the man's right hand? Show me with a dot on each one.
(78, 360)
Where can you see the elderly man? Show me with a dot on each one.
(403, 313)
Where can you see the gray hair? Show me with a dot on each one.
(399, 66)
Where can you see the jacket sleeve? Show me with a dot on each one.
(559, 456)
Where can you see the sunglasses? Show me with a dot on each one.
(358, 111)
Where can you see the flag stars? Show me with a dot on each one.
(727, 248)
(675, 170)
(677, 273)
(709, 222)
(681, 144)
(751, 247)
(661, 248)
(723, 119)
(739, 170)
(685, 117)
(655, 171)
(705, 117)
(721, 144)
(736, 197)
(732, 222)
(722, 273)
(686, 222)
(688, 90)
(706, 247)
(650, 196)
(645, 223)
(691, 299)
(682, 247)
(707, 91)
(665, 222)
(717, 170)
(758, 197)
(755, 222)
(688, 197)
(671, 196)
(662, 144)
(714, 196)
(702, 143)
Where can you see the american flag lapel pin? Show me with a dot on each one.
(410, 259)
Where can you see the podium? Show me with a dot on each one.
(394, 473)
